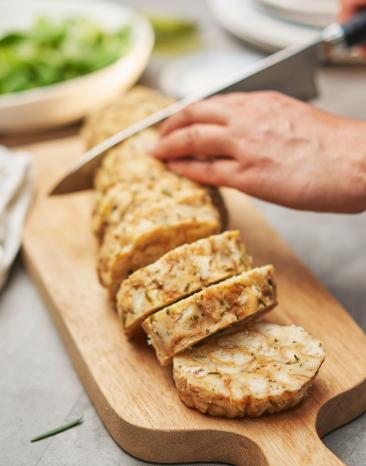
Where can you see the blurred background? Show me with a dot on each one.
(53, 71)
(61, 59)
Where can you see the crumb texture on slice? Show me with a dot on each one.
(126, 109)
(179, 273)
(264, 368)
(232, 301)
(130, 182)
(149, 231)
(129, 162)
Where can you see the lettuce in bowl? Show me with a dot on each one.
(54, 51)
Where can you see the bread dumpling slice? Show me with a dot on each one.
(264, 368)
(111, 206)
(217, 307)
(179, 273)
(149, 231)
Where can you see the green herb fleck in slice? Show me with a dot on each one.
(166, 192)
(148, 297)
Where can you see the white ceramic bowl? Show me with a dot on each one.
(59, 104)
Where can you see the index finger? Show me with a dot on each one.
(208, 140)
(205, 111)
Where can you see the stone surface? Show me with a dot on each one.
(39, 389)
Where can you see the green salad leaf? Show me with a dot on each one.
(54, 51)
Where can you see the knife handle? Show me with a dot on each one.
(354, 30)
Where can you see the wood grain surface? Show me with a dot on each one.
(133, 395)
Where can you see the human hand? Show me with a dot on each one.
(272, 147)
(348, 9)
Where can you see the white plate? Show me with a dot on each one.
(59, 104)
(243, 19)
(246, 21)
(317, 13)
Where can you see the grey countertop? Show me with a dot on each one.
(39, 388)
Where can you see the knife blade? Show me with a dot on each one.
(268, 73)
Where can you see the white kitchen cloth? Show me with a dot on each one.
(16, 189)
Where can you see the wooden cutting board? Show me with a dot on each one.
(133, 395)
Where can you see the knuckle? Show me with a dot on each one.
(233, 95)
(188, 112)
(236, 97)
(228, 97)
(272, 95)
(191, 136)
(266, 97)
(275, 95)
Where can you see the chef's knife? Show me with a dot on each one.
(269, 73)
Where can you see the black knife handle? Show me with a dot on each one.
(354, 29)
